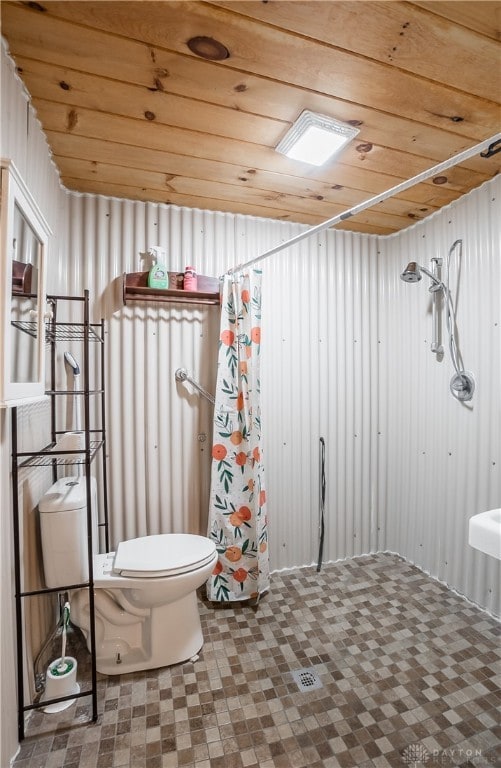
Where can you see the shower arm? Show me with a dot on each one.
(431, 274)
(182, 375)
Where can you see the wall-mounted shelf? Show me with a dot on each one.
(24, 279)
(135, 288)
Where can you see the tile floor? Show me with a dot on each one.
(408, 673)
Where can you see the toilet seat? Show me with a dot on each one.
(166, 554)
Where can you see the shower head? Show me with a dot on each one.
(412, 273)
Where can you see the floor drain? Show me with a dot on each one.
(307, 679)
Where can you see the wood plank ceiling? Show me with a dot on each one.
(130, 111)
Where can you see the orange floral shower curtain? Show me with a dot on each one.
(237, 511)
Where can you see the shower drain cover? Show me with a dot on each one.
(306, 679)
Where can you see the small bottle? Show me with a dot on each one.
(158, 277)
(190, 279)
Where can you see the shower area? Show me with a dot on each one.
(347, 359)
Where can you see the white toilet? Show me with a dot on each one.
(145, 602)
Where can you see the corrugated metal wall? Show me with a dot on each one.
(440, 460)
(23, 142)
(320, 315)
(345, 357)
(320, 309)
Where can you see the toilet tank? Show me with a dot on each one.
(63, 528)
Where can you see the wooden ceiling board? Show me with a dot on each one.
(182, 186)
(130, 111)
(482, 16)
(323, 68)
(82, 122)
(129, 100)
(398, 33)
(368, 185)
(322, 206)
(225, 206)
(77, 89)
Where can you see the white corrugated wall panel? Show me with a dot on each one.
(345, 357)
(319, 312)
(23, 142)
(319, 315)
(440, 460)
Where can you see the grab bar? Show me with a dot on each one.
(183, 375)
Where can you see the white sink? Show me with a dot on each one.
(485, 532)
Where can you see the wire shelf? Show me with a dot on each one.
(50, 456)
(71, 332)
(61, 331)
(29, 327)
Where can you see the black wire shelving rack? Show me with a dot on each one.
(50, 456)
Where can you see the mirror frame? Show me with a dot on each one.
(16, 194)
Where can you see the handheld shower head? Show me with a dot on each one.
(412, 273)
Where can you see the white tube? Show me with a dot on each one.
(435, 170)
(76, 403)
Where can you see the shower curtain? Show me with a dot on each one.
(237, 506)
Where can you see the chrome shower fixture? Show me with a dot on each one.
(462, 383)
(412, 274)
(182, 375)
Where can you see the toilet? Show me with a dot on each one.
(145, 601)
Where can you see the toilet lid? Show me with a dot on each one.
(166, 554)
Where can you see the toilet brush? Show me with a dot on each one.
(61, 675)
(63, 665)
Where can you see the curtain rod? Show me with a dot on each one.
(454, 160)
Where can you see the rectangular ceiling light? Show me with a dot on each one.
(315, 138)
